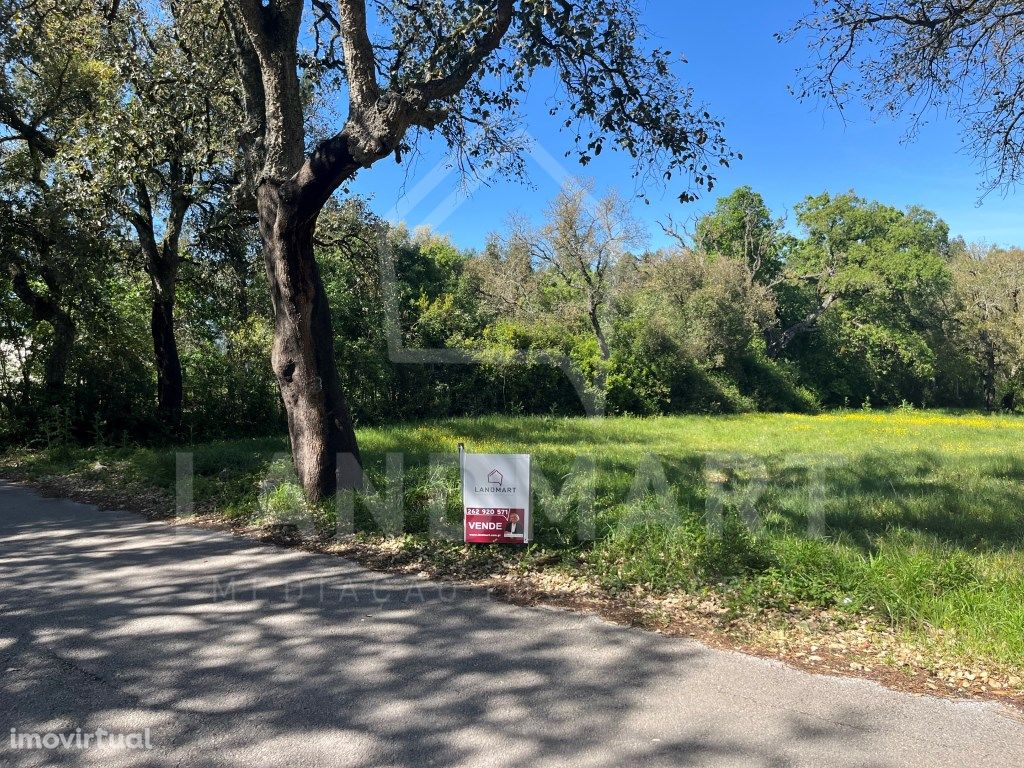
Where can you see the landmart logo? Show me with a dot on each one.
(495, 484)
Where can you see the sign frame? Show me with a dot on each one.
(495, 488)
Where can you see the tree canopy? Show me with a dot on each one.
(175, 261)
(917, 57)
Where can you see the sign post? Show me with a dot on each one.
(496, 499)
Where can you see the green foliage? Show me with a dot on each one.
(557, 318)
(688, 330)
(883, 278)
(741, 228)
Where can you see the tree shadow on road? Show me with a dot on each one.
(235, 653)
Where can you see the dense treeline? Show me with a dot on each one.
(857, 304)
(135, 302)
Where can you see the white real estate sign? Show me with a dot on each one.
(496, 501)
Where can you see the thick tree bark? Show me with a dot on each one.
(319, 422)
(292, 187)
(162, 261)
(47, 309)
(170, 389)
(60, 355)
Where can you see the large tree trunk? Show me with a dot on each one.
(60, 354)
(319, 422)
(170, 390)
(162, 262)
(162, 267)
(293, 187)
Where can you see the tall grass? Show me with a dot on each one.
(915, 516)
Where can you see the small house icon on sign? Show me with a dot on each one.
(495, 477)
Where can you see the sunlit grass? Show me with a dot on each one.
(915, 516)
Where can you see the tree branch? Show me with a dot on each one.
(360, 63)
(30, 134)
(446, 87)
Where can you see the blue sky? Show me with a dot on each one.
(791, 149)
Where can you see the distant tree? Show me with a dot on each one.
(580, 243)
(126, 116)
(991, 316)
(874, 280)
(47, 236)
(45, 300)
(741, 227)
(706, 304)
(505, 277)
(916, 56)
(162, 147)
(458, 69)
(863, 252)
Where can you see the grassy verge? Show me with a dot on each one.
(858, 539)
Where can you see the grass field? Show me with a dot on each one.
(915, 517)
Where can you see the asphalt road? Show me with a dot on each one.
(237, 654)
